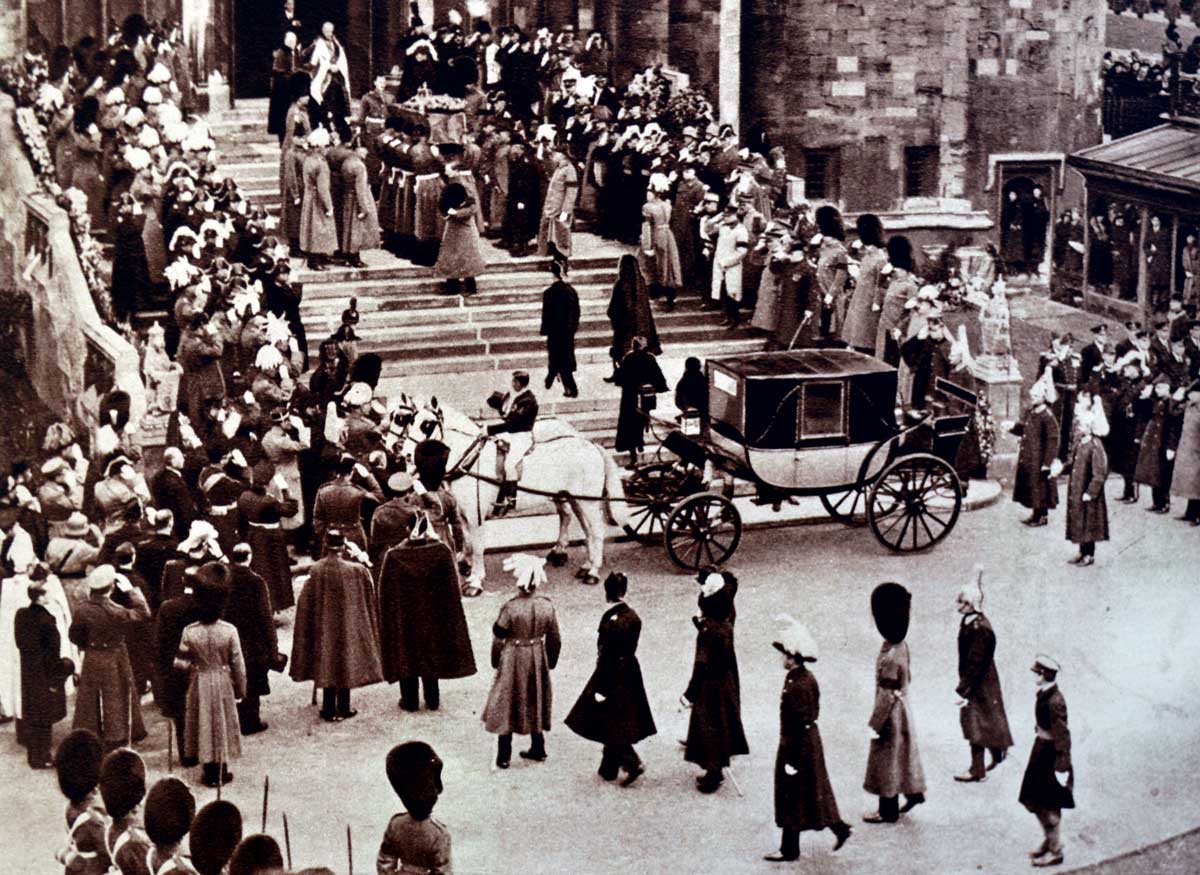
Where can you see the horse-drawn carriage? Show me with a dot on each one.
(813, 422)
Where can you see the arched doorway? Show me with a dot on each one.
(1026, 220)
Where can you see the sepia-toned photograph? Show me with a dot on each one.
(673, 437)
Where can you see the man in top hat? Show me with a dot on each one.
(336, 638)
(1049, 781)
(560, 321)
(123, 788)
(249, 609)
(519, 409)
(804, 797)
(60, 495)
(43, 674)
(413, 840)
(981, 701)
(1092, 355)
(894, 763)
(108, 702)
(558, 207)
(170, 808)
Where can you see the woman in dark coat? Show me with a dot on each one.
(637, 370)
(1087, 513)
(423, 630)
(715, 732)
(285, 62)
(629, 313)
(981, 701)
(1032, 486)
(43, 676)
(613, 709)
(560, 321)
(804, 797)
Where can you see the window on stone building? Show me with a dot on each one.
(821, 172)
(921, 171)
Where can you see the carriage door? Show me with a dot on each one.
(820, 457)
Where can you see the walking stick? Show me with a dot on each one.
(314, 694)
(287, 841)
(349, 850)
(733, 778)
(266, 796)
(799, 328)
(170, 745)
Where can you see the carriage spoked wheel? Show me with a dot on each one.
(703, 530)
(914, 503)
(652, 491)
(846, 507)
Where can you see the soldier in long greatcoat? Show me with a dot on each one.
(981, 701)
(423, 630)
(613, 709)
(894, 764)
(359, 228)
(866, 300)
(713, 694)
(1033, 487)
(558, 207)
(460, 256)
(107, 702)
(804, 797)
(336, 638)
(318, 228)
(525, 648)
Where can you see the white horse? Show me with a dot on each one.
(565, 468)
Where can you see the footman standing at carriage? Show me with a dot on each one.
(613, 709)
(1049, 782)
(525, 648)
(713, 694)
(981, 701)
(894, 764)
(804, 797)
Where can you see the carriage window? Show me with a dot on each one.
(822, 413)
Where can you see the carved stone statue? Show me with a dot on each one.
(160, 374)
(995, 324)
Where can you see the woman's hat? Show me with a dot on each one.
(76, 526)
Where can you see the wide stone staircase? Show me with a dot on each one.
(464, 346)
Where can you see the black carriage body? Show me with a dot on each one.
(801, 422)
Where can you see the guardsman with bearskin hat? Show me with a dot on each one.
(123, 787)
(77, 762)
(414, 843)
(170, 808)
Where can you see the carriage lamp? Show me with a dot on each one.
(689, 422)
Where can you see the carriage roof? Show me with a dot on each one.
(801, 364)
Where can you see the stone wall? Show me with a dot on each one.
(871, 77)
(10, 28)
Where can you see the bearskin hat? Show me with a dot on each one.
(430, 459)
(122, 782)
(77, 762)
(215, 833)
(255, 854)
(170, 808)
(415, 773)
(891, 605)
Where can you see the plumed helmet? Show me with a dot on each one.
(415, 773)
(170, 808)
(430, 459)
(794, 639)
(891, 607)
(256, 854)
(122, 782)
(717, 592)
(215, 833)
(77, 762)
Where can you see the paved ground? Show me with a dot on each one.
(1145, 35)
(1124, 632)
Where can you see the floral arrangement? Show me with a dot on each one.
(688, 107)
(984, 425)
(426, 102)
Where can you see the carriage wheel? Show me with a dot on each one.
(703, 530)
(652, 491)
(846, 507)
(914, 503)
